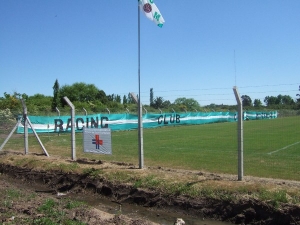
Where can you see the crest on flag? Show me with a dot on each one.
(147, 8)
(151, 12)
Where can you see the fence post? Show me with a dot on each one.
(73, 154)
(85, 112)
(145, 110)
(57, 110)
(25, 126)
(140, 130)
(240, 134)
(26, 122)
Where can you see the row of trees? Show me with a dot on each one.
(271, 101)
(89, 97)
(86, 96)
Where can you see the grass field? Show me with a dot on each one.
(271, 147)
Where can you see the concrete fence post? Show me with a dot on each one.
(73, 144)
(240, 134)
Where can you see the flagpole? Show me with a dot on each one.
(140, 112)
(153, 14)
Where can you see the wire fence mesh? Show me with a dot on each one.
(271, 146)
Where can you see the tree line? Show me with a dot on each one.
(89, 97)
(275, 102)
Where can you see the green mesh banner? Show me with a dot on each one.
(130, 121)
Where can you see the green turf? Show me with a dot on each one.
(271, 147)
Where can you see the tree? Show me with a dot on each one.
(270, 100)
(158, 102)
(118, 98)
(79, 92)
(56, 98)
(124, 100)
(257, 103)
(24, 96)
(111, 97)
(130, 99)
(287, 100)
(39, 102)
(189, 103)
(101, 96)
(246, 100)
(151, 96)
(166, 104)
(11, 102)
(298, 99)
(280, 100)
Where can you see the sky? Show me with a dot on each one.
(203, 50)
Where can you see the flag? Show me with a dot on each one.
(151, 12)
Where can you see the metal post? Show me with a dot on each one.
(26, 122)
(240, 135)
(85, 116)
(73, 153)
(57, 110)
(25, 126)
(141, 146)
(85, 111)
(140, 130)
(140, 112)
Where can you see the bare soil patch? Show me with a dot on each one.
(22, 205)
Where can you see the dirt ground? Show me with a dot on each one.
(27, 208)
(23, 208)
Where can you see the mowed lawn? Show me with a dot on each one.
(271, 147)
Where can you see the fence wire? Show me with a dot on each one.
(271, 146)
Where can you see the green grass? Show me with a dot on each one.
(55, 214)
(271, 147)
(52, 211)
